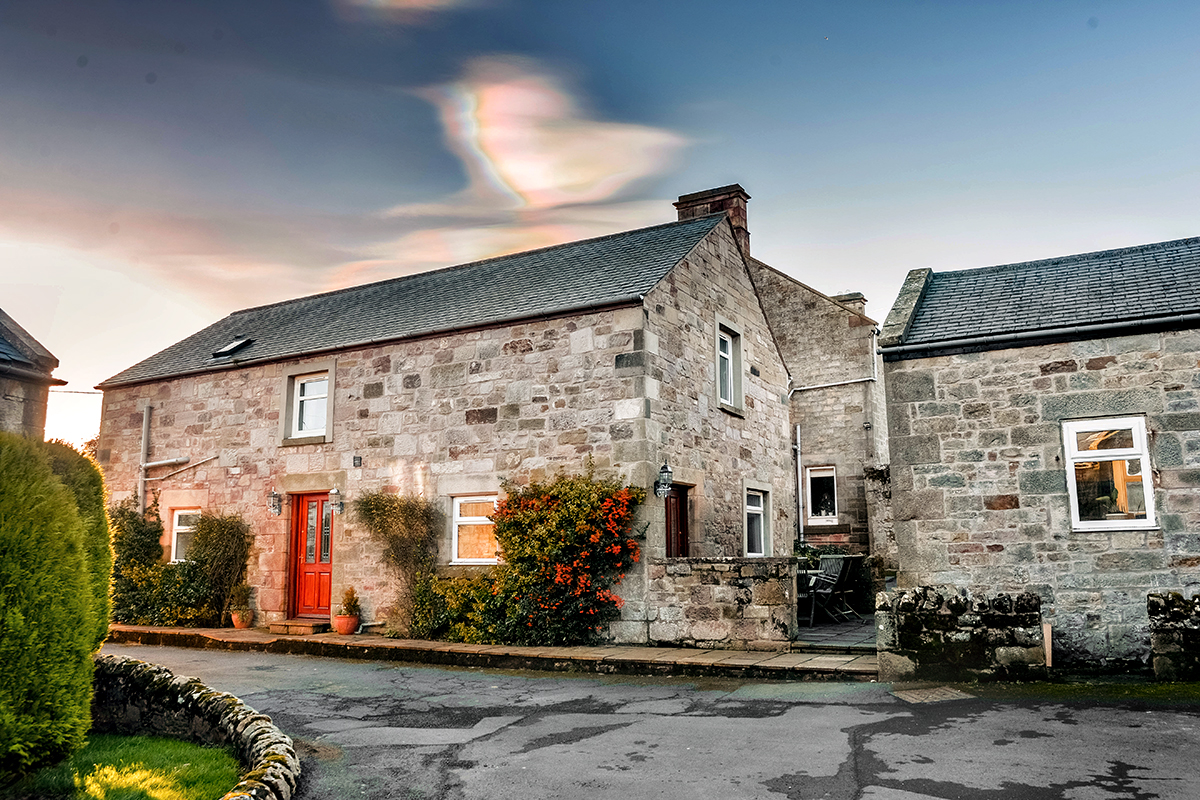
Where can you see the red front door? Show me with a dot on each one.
(312, 561)
(677, 522)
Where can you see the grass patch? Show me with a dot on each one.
(133, 768)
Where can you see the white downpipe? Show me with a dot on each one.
(799, 489)
(142, 460)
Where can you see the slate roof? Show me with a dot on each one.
(1148, 282)
(606, 271)
(10, 353)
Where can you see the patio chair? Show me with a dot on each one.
(827, 589)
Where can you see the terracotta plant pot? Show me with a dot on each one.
(242, 617)
(345, 625)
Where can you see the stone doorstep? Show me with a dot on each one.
(299, 627)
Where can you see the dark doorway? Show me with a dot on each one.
(677, 522)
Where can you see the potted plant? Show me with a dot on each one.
(345, 621)
(239, 606)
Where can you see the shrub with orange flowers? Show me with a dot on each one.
(564, 546)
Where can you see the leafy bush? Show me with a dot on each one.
(408, 527)
(239, 597)
(220, 548)
(47, 624)
(81, 476)
(564, 546)
(137, 554)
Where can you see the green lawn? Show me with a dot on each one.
(134, 768)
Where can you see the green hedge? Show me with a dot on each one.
(82, 477)
(47, 624)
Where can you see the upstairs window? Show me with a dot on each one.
(1108, 469)
(474, 531)
(312, 396)
(728, 365)
(307, 413)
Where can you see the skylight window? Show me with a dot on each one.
(231, 348)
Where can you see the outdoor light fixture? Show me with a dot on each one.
(275, 503)
(662, 486)
(335, 501)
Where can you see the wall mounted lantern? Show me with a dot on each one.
(275, 503)
(662, 486)
(335, 501)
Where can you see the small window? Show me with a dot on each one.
(1108, 464)
(729, 366)
(474, 531)
(756, 523)
(725, 367)
(309, 405)
(822, 496)
(183, 525)
(228, 350)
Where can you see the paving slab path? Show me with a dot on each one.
(368, 729)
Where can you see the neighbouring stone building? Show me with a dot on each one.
(25, 379)
(1044, 424)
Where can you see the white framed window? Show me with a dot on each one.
(756, 523)
(822, 495)
(474, 533)
(1108, 474)
(183, 530)
(308, 403)
(728, 364)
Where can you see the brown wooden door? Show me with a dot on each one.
(677, 522)
(312, 559)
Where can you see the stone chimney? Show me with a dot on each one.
(853, 299)
(730, 199)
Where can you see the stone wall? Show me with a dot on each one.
(980, 489)
(23, 407)
(135, 697)
(723, 603)
(1174, 636)
(942, 633)
(827, 340)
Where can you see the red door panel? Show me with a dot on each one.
(312, 558)
(677, 527)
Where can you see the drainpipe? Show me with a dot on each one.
(142, 460)
(799, 489)
(144, 465)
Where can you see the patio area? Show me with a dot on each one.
(851, 636)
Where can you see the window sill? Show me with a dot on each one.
(734, 410)
(303, 440)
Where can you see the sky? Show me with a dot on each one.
(164, 164)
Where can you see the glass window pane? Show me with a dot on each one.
(477, 541)
(754, 532)
(310, 539)
(312, 414)
(476, 508)
(186, 520)
(183, 542)
(754, 500)
(317, 388)
(1120, 439)
(823, 502)
(326, 526)
(1095, 489)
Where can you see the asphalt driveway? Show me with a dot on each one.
(376, 730)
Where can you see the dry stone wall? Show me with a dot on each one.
(136, 697)
(1174, 636)
(943, 633)
(980, 490)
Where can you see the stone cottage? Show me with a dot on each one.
(25, 379)
(1044, 424)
